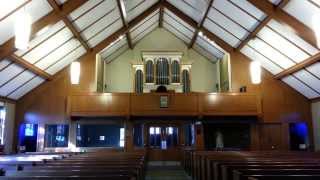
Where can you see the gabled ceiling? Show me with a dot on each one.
(278, 33)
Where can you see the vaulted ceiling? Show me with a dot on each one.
(278, 33)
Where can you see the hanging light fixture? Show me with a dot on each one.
(22, 29)
(75, 72)
(255, 72)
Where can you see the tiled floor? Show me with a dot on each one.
(166, 173)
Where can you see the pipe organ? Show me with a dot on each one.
(162, 69)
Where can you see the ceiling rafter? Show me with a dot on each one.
(107, 41)
(122, 10)
(8, 47)
(194, 24)
(199, 26)
(22, 62)
(262, 24)
(309, 61)
(161, 14)
(58, 9)
(283, 17)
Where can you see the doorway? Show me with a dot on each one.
(299, 136)
(163, 142)
(28, 137)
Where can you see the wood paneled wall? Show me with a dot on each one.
(280, 103)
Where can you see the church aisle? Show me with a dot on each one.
(166, 173)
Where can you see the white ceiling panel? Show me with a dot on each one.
(101, 24)
(315, 69)
(4, 63)
(265, 63)
(302, 10)
(144, 33)
(226, 23)
(117, 53)
(113, 47)
(179, 20)
(26, 88)
(271, 53)
(144, 26)
(36, 9)
(96, 13)
(152, 15)
(237, 14)
(16, 82)
(189, 9)
(48, 46)
(300, 87)
(290, 35)
(250, 8)
(204, 53)
(105, 33)
(173, 22)
(66, 61)
(135, 8)
(227, 37)
(42, 37)
(283, 45)
(61, 1)
(84, 8)
(175, 32)
(209, 47)
(58, 54)
(9, 72)
(10, 6)
(309, 79)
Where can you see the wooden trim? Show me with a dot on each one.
(5, 99)
(8, 47)
(284, 18)
(309, 61)
(315, 100)
(196, 32)
(120, 5)
(57, 8)
(30, 67)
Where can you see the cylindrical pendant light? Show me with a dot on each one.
(255, 72)
(75, 72)
(22, 29)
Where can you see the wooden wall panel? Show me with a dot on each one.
(103, 104)
(178, 104)
(230, 104)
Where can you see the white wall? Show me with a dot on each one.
(119, 75)
(9, 127)
(316, 124)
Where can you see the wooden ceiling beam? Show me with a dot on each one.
(5, 99)
(24, 63)
(122, 10)
(194, 24)
(262, 24)
(124, 29)
(284, 18)
(161, 14)
(196, 32)
(52, 18)
(64, 17)
(311, 60)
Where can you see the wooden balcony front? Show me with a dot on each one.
(178, 104)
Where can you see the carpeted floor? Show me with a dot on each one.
(166, 173)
